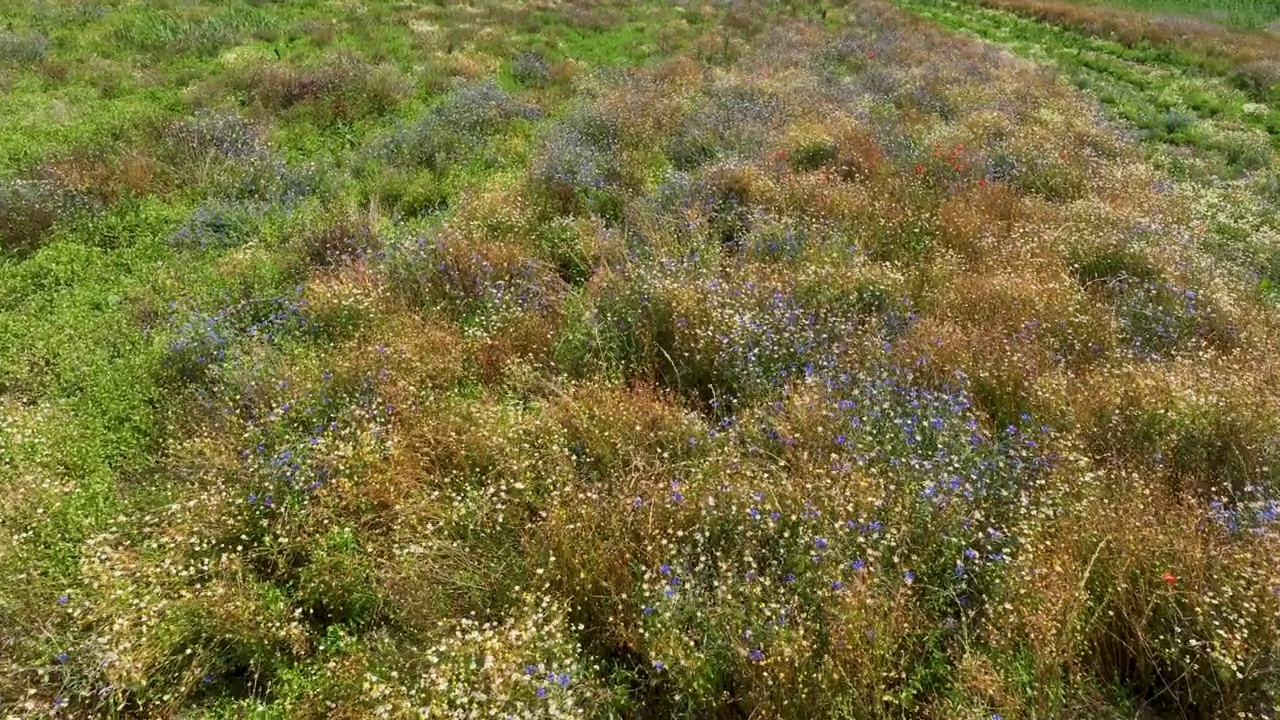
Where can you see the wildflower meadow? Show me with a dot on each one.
(643, 359)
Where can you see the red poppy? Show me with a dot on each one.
(1170, 578)
(982, 182)
(871, 53)
(919, 169)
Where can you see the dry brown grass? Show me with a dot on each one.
(106, 178)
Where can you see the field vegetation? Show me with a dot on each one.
(1233, 14)
(637, 359)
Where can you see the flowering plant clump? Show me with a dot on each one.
(23, 48)
(29, 209)
(230, 155)
(341, 88)
(578, 163)
(216, 225)
(727, 120)
(531, 69)
(485, 287)
(457, 127)
(527, 665)
(778, 582)
(1158, 319)
(220, 133)
(203, 339)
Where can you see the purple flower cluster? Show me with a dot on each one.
(1253, 510)
(230, 154)
(471, 284)
(732, 120)
(953, 488)
(749, 337)
(219, 133)
(1157, 318)
(578, 158)
(203, 339)
(457, 127)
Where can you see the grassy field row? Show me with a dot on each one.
(1249, 58)
(1246, 14)
(1175, 104)
(1243, 14)
(1198, 124)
